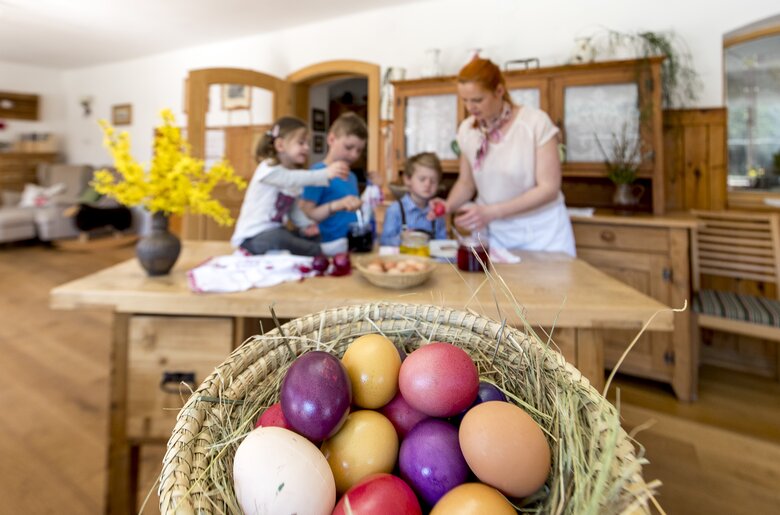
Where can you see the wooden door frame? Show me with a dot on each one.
(197, 95)
(301, 80)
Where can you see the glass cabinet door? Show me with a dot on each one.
(599, 114)
(430, 125)
(526, 96)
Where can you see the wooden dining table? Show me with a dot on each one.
(163, 331)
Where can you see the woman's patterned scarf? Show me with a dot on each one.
(491, 133)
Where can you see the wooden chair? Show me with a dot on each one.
(744, 246)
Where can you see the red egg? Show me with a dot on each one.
(439, 379)
(379, 493)
(273, 417)
(402, 415)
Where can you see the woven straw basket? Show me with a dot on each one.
(610, 481)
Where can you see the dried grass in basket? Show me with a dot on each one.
(595, 468)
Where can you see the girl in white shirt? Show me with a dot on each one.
(283, 152)
(509, 159)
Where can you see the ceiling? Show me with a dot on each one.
(79, 33)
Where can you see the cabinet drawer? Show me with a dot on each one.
(608, 236)
(163, 353)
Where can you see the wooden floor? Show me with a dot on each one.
(719, 455)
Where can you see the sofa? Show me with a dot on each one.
(39, 211)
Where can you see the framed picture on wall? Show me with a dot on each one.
(236, 96)
(319, 144)
(122, 114)
(317, 120)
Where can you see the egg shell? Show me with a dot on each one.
(273, 417)
(473, 499)
(439, 379)
(316, 395)
(278, 471)
(505, 448)
(372, 362)
(383, 494)
(402, 415)
(487, 392)
(366, 444)
(430, 460)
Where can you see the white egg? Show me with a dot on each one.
(278, 471)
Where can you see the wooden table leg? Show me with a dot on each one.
(119, 498)
(590, 356)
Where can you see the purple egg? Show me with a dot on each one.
(316, 395)
(488, 392)
(402, 415)
(431, 461)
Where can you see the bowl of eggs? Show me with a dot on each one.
(396, 272)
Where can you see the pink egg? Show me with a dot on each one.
(439, 379)
(402, 415)
(273, 417)
(379, 493)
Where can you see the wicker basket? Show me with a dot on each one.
(193, 457)
(396, 281)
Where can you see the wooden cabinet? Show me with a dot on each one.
(695, 158)
(19, 168)
(585, 101)
(652, 255)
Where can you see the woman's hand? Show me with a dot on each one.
(474, 217)
(338, 170)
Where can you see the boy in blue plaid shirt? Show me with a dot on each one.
(422, 175)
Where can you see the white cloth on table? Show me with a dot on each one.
(239, 272)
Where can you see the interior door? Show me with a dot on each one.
(235, 142)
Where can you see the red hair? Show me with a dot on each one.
(485, 73)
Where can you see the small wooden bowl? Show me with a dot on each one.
(395, 281)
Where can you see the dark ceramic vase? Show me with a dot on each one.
(159, 250)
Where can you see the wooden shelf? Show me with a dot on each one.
(18, 106)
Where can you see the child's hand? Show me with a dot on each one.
(311, 231)
(349, 203)
(437, 208)
(338, 169)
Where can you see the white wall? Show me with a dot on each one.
(398, 36)
(16, 78)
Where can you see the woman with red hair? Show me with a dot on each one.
(509, 160)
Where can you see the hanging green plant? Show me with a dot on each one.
(679, 80)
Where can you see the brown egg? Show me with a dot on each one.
(473, 499)
(505, 448)
(366, 444)
(372, 363)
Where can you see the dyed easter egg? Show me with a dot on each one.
(273, 417)
(383, 494)
(402, 415)
(316, 395)
(473, 499)
(372, 362)
(439, 379)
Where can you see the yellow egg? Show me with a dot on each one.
(473, 499)
(372, 362)
(505, 448)
(366, 444)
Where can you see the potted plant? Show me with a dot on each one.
(174, 183)
(622, 160)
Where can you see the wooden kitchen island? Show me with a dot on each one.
(166, 335)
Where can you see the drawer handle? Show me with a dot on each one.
(608, 236)
(171, 381)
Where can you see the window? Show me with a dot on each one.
(752, 91)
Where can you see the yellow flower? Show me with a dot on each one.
(175, 182)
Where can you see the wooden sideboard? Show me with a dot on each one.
(19, 168)
(652, 255)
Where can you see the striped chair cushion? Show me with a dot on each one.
(747, 308)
